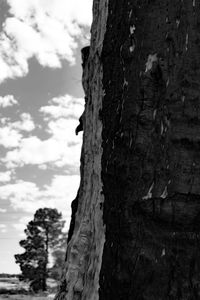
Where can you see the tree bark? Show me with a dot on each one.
(136, 219)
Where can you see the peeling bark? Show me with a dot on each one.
(136, 228)
(87, 232)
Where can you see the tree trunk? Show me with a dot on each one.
(45, 272)
(135, 222)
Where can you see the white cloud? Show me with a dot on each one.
(28, 197)
(3, 210)
(7, 101)
(5, 177)
(3, 228)
(21, 190)
(43, 167)
(44, 151)
(22, 223)
(65, 106)
(47, 30)
(62, 148)
(64, 10)
(9, 137)
(25, 124)
(11, 132)
(52, 150)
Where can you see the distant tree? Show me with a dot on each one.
(43, 235)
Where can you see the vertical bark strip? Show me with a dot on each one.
(84, 252)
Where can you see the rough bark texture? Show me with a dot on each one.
(87, 231)
(141, 156)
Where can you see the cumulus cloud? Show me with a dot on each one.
(25, 124)
(46, 30)
(63, 107)
(11, 132)
(62, 147)
(9, 137)
(44, 151)
(5, 177)
(28, 197)
(3, 210)
(7, 101)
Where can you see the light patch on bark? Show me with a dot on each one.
(186, 42)
(154, 113)
(151, 59)
(177, 22)
(132, 29)
(149, 194)
(163, 252)
(85, 249)
(164, 193)
(125, 83)
(161, 128)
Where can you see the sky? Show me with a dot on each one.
(41, 100)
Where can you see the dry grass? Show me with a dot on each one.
(25, 297)
(21, 297)
(9, 286)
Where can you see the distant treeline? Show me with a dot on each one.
(5, 275)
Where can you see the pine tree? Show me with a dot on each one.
(43, 234)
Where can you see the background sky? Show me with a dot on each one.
(41, 99)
